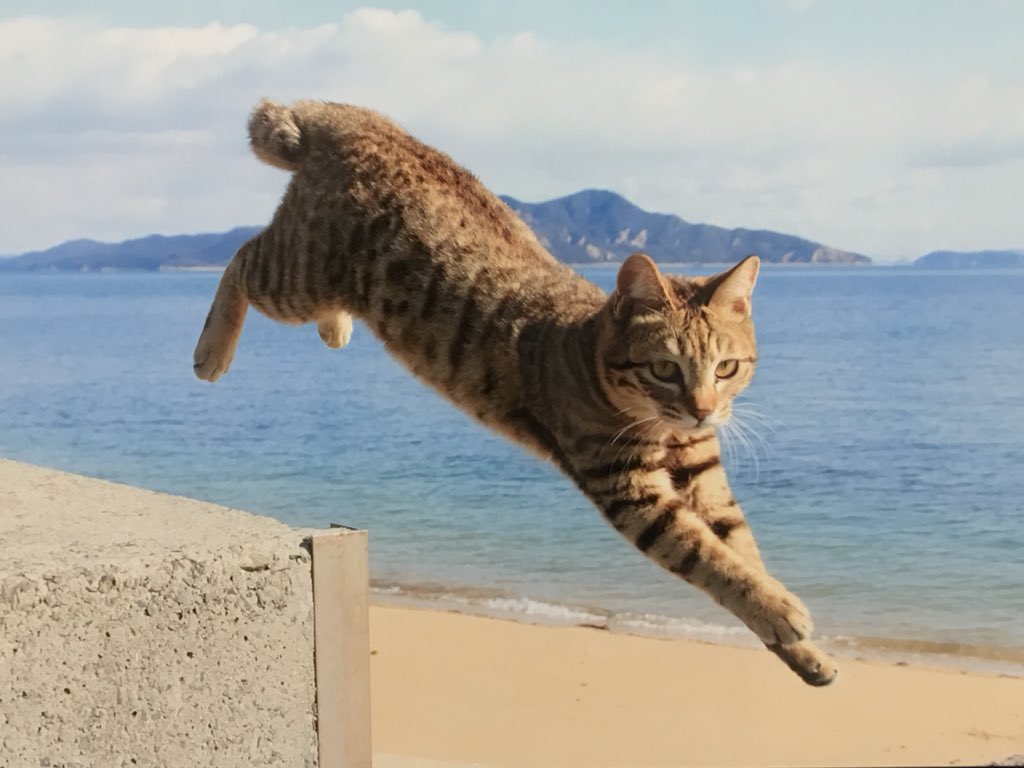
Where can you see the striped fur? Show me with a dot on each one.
(622, 392)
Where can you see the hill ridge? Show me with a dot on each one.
(585, 227)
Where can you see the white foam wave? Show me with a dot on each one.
(670, 626)
(539, 609)
(531, 610)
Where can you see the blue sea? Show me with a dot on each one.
(883, 470)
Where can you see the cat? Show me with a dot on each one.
(621, 392)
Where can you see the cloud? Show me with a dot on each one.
(112, 132)
(969, 154)
(984, 126)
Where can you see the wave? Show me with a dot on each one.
(976, 656)
(496, 603)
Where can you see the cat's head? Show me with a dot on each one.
(677, 350)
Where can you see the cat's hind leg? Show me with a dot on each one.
(335, 328)
(216, 347)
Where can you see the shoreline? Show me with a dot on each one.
(919, 653)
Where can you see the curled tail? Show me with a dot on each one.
(275, 135)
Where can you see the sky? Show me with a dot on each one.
(890, 128)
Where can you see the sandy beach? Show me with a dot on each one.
(461, 690)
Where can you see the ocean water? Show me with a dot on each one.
(883, 472)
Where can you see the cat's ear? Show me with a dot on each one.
(640, 281)
(730, 291)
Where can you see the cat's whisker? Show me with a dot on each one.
(621, 432)
(753, 432)
(633, 425)
(654, 428)
(744, 433)
(748, 411)
(625, 429)
(746, 419)
(628, 427)
(742, 440)
(655, 424)
(726, 439)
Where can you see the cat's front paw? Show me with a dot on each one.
(814, 666)
(778, 617)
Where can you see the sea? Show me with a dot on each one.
(880, 461)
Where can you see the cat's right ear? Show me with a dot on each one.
(641, 282)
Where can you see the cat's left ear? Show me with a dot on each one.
(730, 291)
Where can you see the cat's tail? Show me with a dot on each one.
(275, 135)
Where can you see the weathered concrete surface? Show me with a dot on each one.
(141, 629)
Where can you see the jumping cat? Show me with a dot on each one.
(621, 392)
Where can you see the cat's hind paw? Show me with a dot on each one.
(336, 330)
(210, 361)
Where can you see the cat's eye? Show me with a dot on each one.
(665, 370)
(727, 369)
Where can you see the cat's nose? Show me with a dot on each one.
(700, 414)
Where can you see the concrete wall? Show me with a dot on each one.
(140, 629)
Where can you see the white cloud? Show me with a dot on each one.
(111, 132)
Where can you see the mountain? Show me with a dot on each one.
(597, 226)
(591, 226)
(971, 260)
(144, 253)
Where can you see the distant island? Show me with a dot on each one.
(588, 227)
(599, 226)
(971, 260)
(150, 253)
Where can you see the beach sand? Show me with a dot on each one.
(461, 690)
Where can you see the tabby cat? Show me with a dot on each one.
(622, 392)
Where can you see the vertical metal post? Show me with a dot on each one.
(341, 633)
